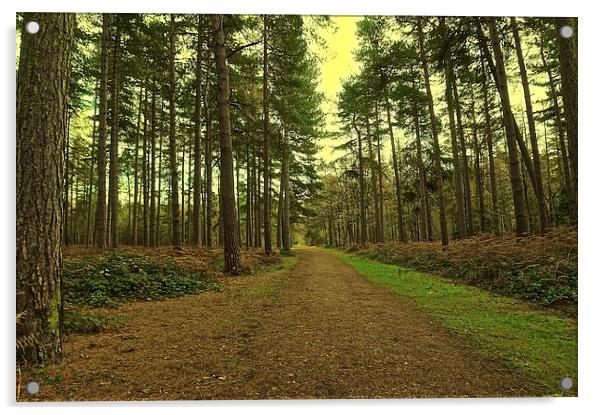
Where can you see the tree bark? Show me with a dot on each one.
(465, 165)
(458, 181)
(567, 56)
(373, 184)
(381, 231)
(477, 169)
(208, 168)
(136, 163)
(267, 193)
(539, 193)
(153, 196)
(279, 213)
(361, 179)
(509, 125)
(401, 235)
(497, 228)
(114, 150)
(66, 199)
(176, 237)
(93, 151)
(232, 262)
(101, 202)
(198, 99)
(145, 168)
(249, 219)
(43, 85)
(566, 171)
(286, 214)
(157, 241)
(426, 228)
(524, 151)
(183, 195)
(436, 149)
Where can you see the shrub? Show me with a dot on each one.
(117, 277)
(541, 269)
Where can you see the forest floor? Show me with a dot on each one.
(314, 328)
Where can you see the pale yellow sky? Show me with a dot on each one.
(338, 63)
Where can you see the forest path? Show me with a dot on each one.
(318, 330)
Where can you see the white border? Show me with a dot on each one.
(590, 287)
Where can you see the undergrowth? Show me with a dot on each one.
(541, 269)
(110, 280)
(118, 277)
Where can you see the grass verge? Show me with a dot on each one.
(274, 271)
(539, 343)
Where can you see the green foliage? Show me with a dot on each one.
(542, 345)
(75, 322)
(119, 277)
(540, 269)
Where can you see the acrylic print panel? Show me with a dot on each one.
(285, 207)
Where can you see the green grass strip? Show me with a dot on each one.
(537, 342)
(277, 270)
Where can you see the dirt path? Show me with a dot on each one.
(318, 331)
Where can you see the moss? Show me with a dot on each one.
(54, 311)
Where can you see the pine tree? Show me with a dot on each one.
(42, 88)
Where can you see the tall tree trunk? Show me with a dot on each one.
(401, 235)
(153, 196)
(129, 204)
(114, 152)
(560, 128)
(248, 222)
(477, 168)
(176, 238)
(526, 195)
(436, 149)
(189, 192)
(539, 193)
(101, 203)
(198, 99)
(145, 181)
(373, 184)
(286, 214)
(567, 56)
(93, 151)
(522, 146)
(183, 195)
(465, 165)
(425, 225)
(279, 213)
(66, 233)
(136, 163)
(361, 178)
(497, 228)
(509, 125)
(208, 170)
(267, 193)
(549, 177)
(72, 203)
(232, 262)
(458, 181)
(158, 240)
(43, 85)
(256, 197)
(381, 231)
